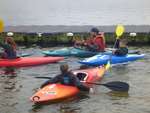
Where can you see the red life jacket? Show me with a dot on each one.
(98, 41)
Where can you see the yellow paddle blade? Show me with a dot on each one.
(1, 25)
(119, 30)
(107, 65)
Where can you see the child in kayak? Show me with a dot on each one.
(95, 43)
(9, 46)
(67, 78)
(122, 50)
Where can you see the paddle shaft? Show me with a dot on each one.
(119, 31)
(114, 85)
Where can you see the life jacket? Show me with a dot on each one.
(67, 79)
(98, 41)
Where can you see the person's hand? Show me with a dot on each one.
(91, 90)
(85, 44)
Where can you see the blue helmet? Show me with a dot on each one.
(94, 29)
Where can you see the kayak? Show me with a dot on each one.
(24, 54)
(58, 52)
(98, 60)
(57, 92)
(28, 61)
(77, 52)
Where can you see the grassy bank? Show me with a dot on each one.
(57, 39)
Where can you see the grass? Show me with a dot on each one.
(57, 39)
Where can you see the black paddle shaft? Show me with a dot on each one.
(44, 77)
(114, 85)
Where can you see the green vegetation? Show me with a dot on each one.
(57, 39)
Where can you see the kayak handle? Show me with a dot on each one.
(36, 98)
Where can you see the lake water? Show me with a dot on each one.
(75, 12)
(16, 91)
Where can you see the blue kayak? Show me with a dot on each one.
(70, 52)
(24, 54)
(58, 52)
(98, 60)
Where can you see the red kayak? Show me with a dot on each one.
(58, 92)
(28, 61)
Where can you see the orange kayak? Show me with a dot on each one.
(58, 92)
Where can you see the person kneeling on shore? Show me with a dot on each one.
(67, 78)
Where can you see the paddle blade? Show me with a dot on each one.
(1, 25)
(119, 30)
(117, 86)
(107, 65)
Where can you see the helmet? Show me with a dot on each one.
(69, 34)
(133, 34)
(10, 34)
(94, 29)
(39, 34)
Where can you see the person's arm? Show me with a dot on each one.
(51, 81)
(121, 51)
(3, 45)
(78, 84)
(117, 43)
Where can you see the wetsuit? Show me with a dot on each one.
(67, 79)
(121, 51)
(9, 52)
(117, 44)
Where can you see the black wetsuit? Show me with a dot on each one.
(67, 79)
(121, 51)
(117, 44)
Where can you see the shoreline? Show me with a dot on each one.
(74, 28)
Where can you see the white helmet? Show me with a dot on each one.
(69, 34)
(132, 34)
(39, 34)
(10, 34)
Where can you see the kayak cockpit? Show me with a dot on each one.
(82, 76)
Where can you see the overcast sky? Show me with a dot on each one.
(48, 12)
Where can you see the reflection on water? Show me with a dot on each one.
(10, 71)
(118, 94)
(8, 89)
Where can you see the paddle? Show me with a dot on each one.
(44, 77)
(1, 25)
(114, 85)
(119, 31)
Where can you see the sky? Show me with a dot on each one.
(75, 12)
